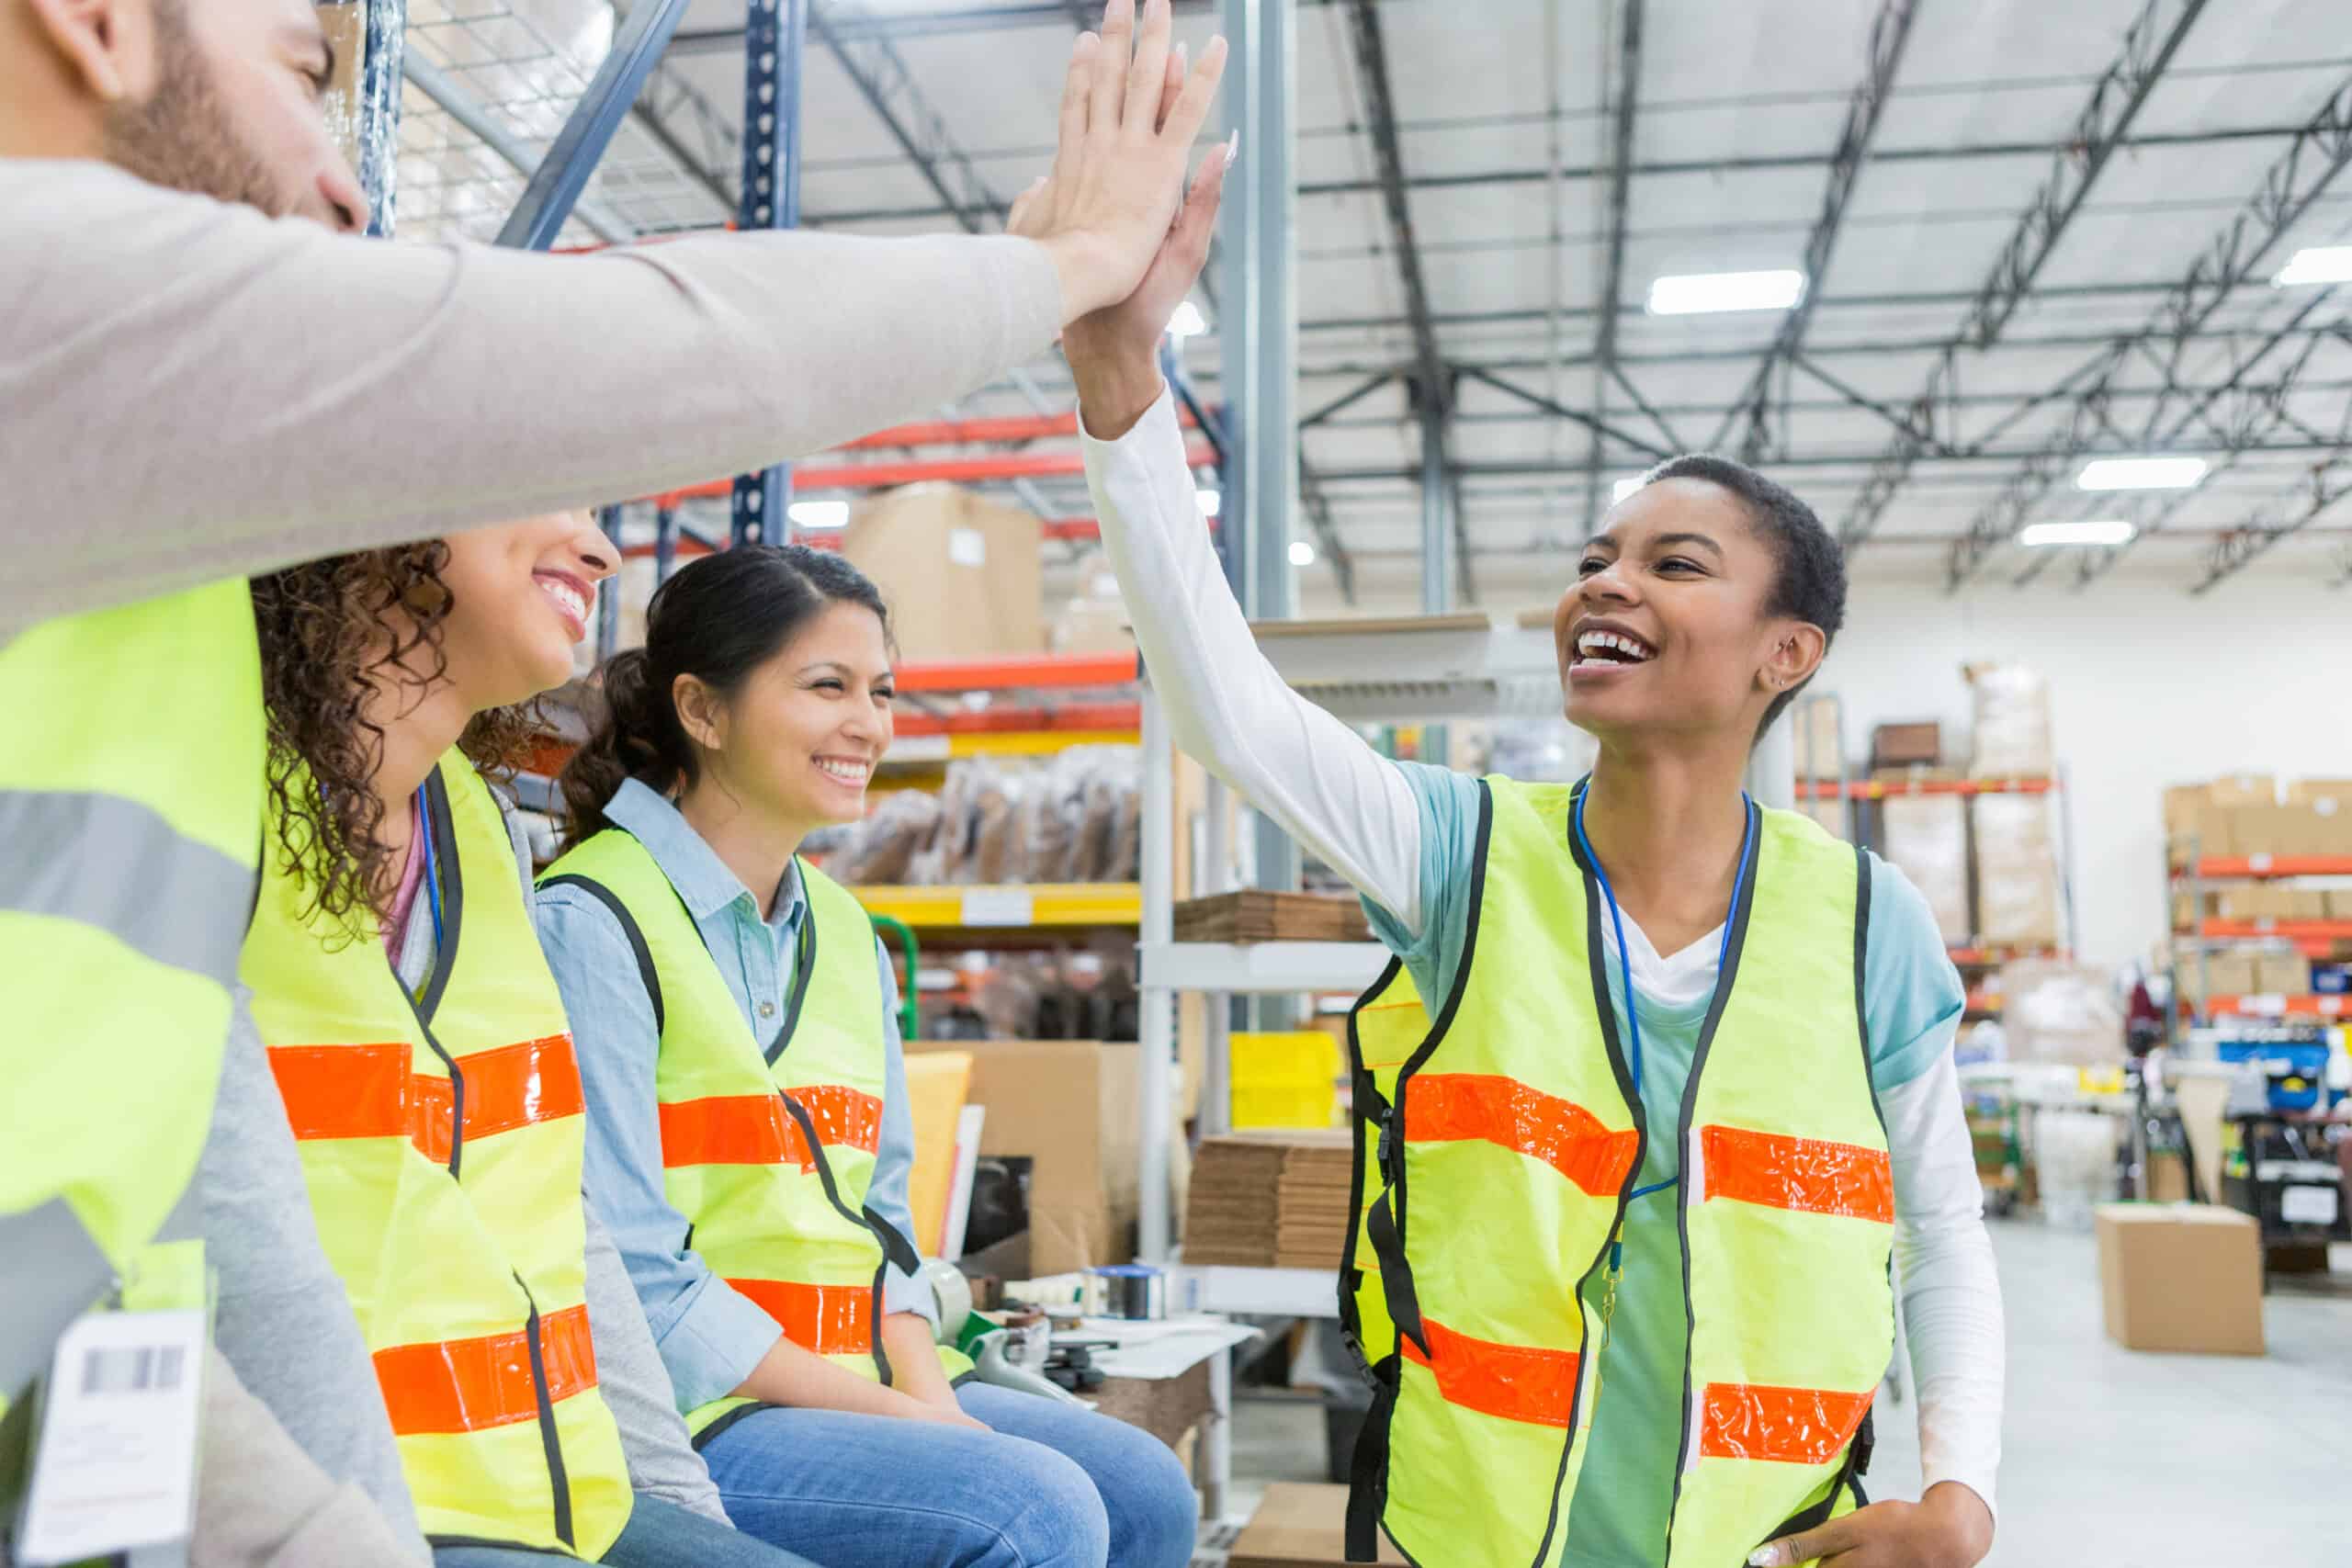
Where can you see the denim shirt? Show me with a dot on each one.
(709, 1337)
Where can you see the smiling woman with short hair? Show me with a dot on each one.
(1659, 1082)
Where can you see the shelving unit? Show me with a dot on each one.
(1880, 789)
(1013, 906)
(2193, 874)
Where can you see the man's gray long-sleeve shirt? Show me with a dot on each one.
(191, 390)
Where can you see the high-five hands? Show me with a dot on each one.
(1130, 109)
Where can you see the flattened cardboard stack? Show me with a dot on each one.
(1270, 1199)
(1271, 917)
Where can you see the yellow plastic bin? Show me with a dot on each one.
(1285, 1081)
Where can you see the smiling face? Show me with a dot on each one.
(797, 740)
(1668, 625)
(522, 596)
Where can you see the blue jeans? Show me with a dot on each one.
(1050, 1486)
(658, 1535)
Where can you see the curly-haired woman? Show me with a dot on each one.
(422, 1055)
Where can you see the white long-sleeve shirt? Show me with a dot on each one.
(1358, 812)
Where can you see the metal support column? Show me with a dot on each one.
(609, 596)
(1437, 546)
(1259, 336)
(1156, 1005)
(774, 36)
(380, 110)
(665, 544)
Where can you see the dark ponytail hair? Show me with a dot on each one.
(718, 619)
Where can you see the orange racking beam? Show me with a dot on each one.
(884, 475)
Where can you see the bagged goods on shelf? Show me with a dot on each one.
(2073, 1152)
(2012, 729)
(2059, 1012)
(996, 856)
(1926, 837)
(882, 849)
(2017, 871)
(1054, 819)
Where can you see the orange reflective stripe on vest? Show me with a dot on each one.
(755, 1129)
(831, 1320)
(368, 1091)
(1781, 1426)
(1811, 1176)
(465, 1385)
(1518, 1382)
(1450, 1107)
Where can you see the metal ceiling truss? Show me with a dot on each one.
(1432, 382)
(2251, 415)
(1890, 32)
(2327, 484)
(2234, 256)
(673, 109)
(2099, 128)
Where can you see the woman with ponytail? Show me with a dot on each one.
(749, 1137)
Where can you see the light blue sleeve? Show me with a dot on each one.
(1911, 992)
(709, 1337)
(894, 1156)
(1449, 802)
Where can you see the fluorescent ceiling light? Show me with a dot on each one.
(2140, 473)
(1301, 553)
(1212, 502)
(818, 515)
(1187, 321)
(2096, 531)
(1690, 293)
(1624, 488)
(2316, 264)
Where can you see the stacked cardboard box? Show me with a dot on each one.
(962, 575)
(1906, 745)
(1253, 916)
(1925, 836)
(2248, 814)
(1301, 1526)
(2017, 871)
(2012, 727)
(1271, 1200)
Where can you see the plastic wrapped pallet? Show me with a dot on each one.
(2012, 722)
(2017, 871)
(2060, 1013)
(1926, 837)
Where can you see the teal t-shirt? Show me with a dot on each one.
(1912, 999)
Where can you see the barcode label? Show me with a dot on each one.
(143, 1369)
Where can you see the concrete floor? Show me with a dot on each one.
(2111, 1459)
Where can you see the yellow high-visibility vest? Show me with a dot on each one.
(131, 819)
(441, 1136)
(768, 1147)
(1497, 1149)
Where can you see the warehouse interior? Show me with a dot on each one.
(2012, 242)
(2044, 311)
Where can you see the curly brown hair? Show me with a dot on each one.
(328, 641)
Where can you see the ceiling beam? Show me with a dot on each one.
(2231, 554)
(2235, 254)
(1889, 33)
(1433, 391)
(2251, 413)
(2101, 125)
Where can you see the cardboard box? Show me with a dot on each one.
(2188, 911)
(2284, 975)
(2242, 789)
(1925, 836)
(2305, 792)
(2185, 1277)
(1300, 1526)
(962, 575)
(2012, 727)
(1094, 619)
(2016, 871)
(1901, 745)
(1830, 814)
(1070, 1106)
(2306, 904)
(2226, 975)
(2339, 903)
(1821, 750)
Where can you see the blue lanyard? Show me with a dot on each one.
(1624, 953)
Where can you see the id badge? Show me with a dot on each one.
(117, 1424)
